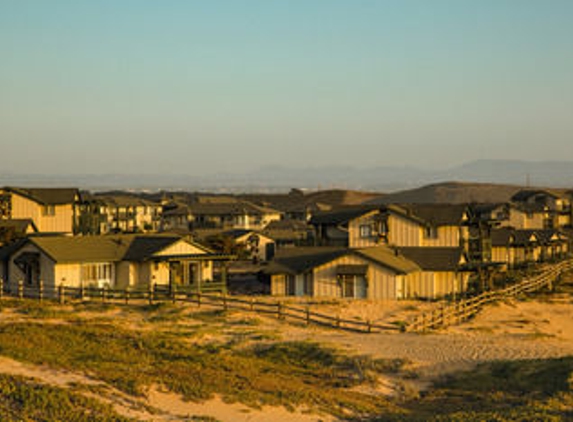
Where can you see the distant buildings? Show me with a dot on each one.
(317, 244)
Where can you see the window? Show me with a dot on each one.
(99, 274)
(290, 285)
(431, 232)
(48, 210)
(353, 286)
(365, 230)
(308, 284)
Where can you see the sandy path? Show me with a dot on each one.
(509, 331)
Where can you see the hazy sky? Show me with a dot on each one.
(189, 87)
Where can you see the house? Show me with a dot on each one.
(257, 247)
(52, 210)
(289, 233)
(301, 205)
(175, 216)
(517, 247)
(376, 272)
(332, 228)
(446, 225)
(229, 213)
(394, 225)
(119, 213)
(557, 203)
(444, 271)
(528, 216)
(115, 261)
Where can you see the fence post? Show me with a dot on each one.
(151, 288)
(279, 310)
(225, 307)
(174, 293)
(338, 321)
(1, 287)
(127, 295)
(61, 297)
(369, 325)
(550, 283)
(21, 289)
(198, 299)
(252, 305)
(41, 290)
(82, 292)
(307, 315)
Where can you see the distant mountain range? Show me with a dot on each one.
(276, 179)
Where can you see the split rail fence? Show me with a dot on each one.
(282, 311)
(450, 314)
(460, 311)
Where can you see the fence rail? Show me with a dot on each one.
(454, 313)
(282, 311)
(462, 310)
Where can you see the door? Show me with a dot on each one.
(360, 287)
(347, 286)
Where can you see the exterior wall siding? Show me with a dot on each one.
(61, 222)
(355, 239)
(451, 236)
(403, 232)
(381, 282)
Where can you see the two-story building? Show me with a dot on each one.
(102, 214)
(52, 210)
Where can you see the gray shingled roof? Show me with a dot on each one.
(387, 257)
(501, 237)
(104, 248)
(438, 214)
(299, 260)
(19, 225)
(434, 258)
(47, 196)
(341, 215)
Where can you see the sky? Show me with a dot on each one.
(203, 87)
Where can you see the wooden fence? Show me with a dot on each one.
(462, 310)
(281, 310)
(453, 313)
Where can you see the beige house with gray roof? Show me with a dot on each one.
(53, 210)
(378, 273)
(119, 261)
